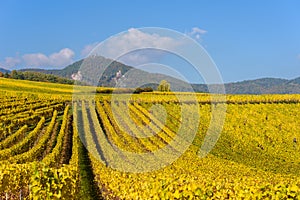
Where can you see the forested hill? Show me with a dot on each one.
(259, 86)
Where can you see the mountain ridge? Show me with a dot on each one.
(257, 86)
(4, 70)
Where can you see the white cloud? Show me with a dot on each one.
(88, 48)
(196, 30)
(12, 61)
(35, 59)
(197, 33)
(135, 39)
(128, 43)
(62, 58)
(57, 59)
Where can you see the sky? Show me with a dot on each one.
(245, 39)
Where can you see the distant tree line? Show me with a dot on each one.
(36, 76)
(123, 90)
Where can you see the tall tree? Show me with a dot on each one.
(164, 86)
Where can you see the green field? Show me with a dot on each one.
(55, 146)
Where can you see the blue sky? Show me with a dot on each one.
(246, 39)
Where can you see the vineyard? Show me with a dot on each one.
(55, 146)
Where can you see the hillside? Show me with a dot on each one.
(265, 86)
(107, 78)
(83, 144)
(258, 86)
(262, 86)
(34, 87)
